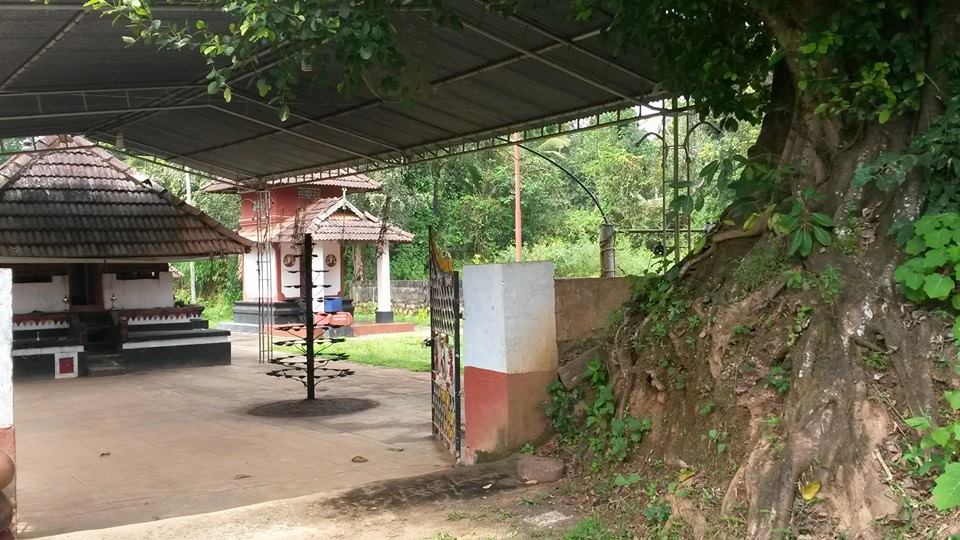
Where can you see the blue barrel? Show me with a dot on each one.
(333, 304)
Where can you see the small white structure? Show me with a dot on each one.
(89, 241)
(277, 218)
(510, 355)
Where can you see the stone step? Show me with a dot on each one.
(105, 365)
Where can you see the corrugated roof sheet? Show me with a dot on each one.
(72, 203)
(64, 70)
(334, 219)
(356, 183)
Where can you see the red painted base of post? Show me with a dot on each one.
(503, 411)
(8, 500)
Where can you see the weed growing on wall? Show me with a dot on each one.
(609, 437)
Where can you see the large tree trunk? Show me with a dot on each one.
(839, 420)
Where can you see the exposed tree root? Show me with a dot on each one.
(732, 315)
(828, 427)
(788, 401)
(758, 227)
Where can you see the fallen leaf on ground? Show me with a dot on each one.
(810, 490)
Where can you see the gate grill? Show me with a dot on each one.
(445, 350)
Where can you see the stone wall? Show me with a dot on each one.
(407, 295)
(583, 310)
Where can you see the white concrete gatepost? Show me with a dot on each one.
(8, 453)
(510, 356)
(384, 304)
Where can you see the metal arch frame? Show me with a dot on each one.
(559, 41)
(434, 85)
(128, 94)
(153, 160)
(468, 145)
(535, 54)
(191, 106)
(672, 142)
(422, 154)
(570, 175)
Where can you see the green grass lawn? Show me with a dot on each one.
(405, 351)
(367, 313)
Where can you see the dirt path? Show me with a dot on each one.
(470, 503)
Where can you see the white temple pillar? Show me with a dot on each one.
(384, 305)
(8, 446)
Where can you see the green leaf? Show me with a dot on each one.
(795, 243)
(915, 246)
(938, 286)
(263, 87)
(946, 494)
(776, 57)
(884, 116)
(935, 258)
(953, 398)
(807, 246)
(710, 170)
(938, 238)
(623, 481)
(227, 94)
(955, 300)
(926, 224)
(941, 436)
(906, 275)
(823, 236)
(918, 422)
(822, 220)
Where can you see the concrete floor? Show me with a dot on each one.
(101, 452)
(479, 502)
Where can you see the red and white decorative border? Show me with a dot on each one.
(40, 325)
(158, 319)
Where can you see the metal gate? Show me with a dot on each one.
(445, 350)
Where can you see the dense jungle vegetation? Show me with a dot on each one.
(475, 205)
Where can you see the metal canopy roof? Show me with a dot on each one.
(66, 70)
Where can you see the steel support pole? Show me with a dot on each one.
(608, 250)
(306, 294)
(676, 182)
(193, 265)
(664, 155)
(517, 212)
